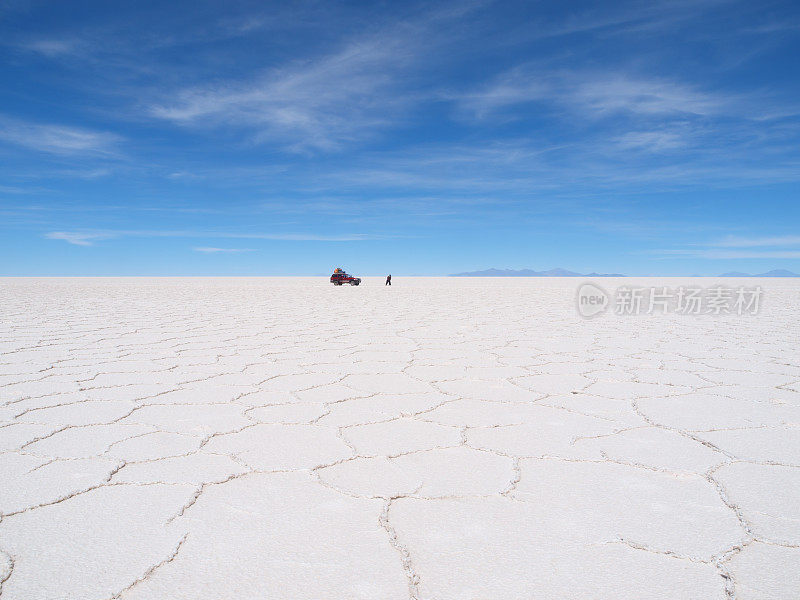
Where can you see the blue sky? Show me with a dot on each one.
(249, 138)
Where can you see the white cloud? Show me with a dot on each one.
(212, 250)
(741, 242)
(52, 48)
(589, 94)
(653, 141)
(624, 18)
(78, 238)
(736, 247)
(732, 254)
(343, 95)
(622, 93)
(7, 189)
(320, 104)
(304, 237)
(57, 139)
(87, 238)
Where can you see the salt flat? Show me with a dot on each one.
(440, 439)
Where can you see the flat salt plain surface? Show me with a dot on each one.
(440, 439)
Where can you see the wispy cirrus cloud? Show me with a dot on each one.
(345, 94)
(213, 250)
(78, 238)
(623, 18)
(736, 247)
(58, 139)
(120, 41)
(89, 237)
(53, 47)
(654, 141)
(591, 94)
(317, 105)
(729, 254)
(757, 242)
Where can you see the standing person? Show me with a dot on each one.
(388, 280)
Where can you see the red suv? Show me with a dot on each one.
(339, 277)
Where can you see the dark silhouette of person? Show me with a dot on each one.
(388, 280)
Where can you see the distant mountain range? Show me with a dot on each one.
(773, 273)
(531, 273)
(565, 273)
